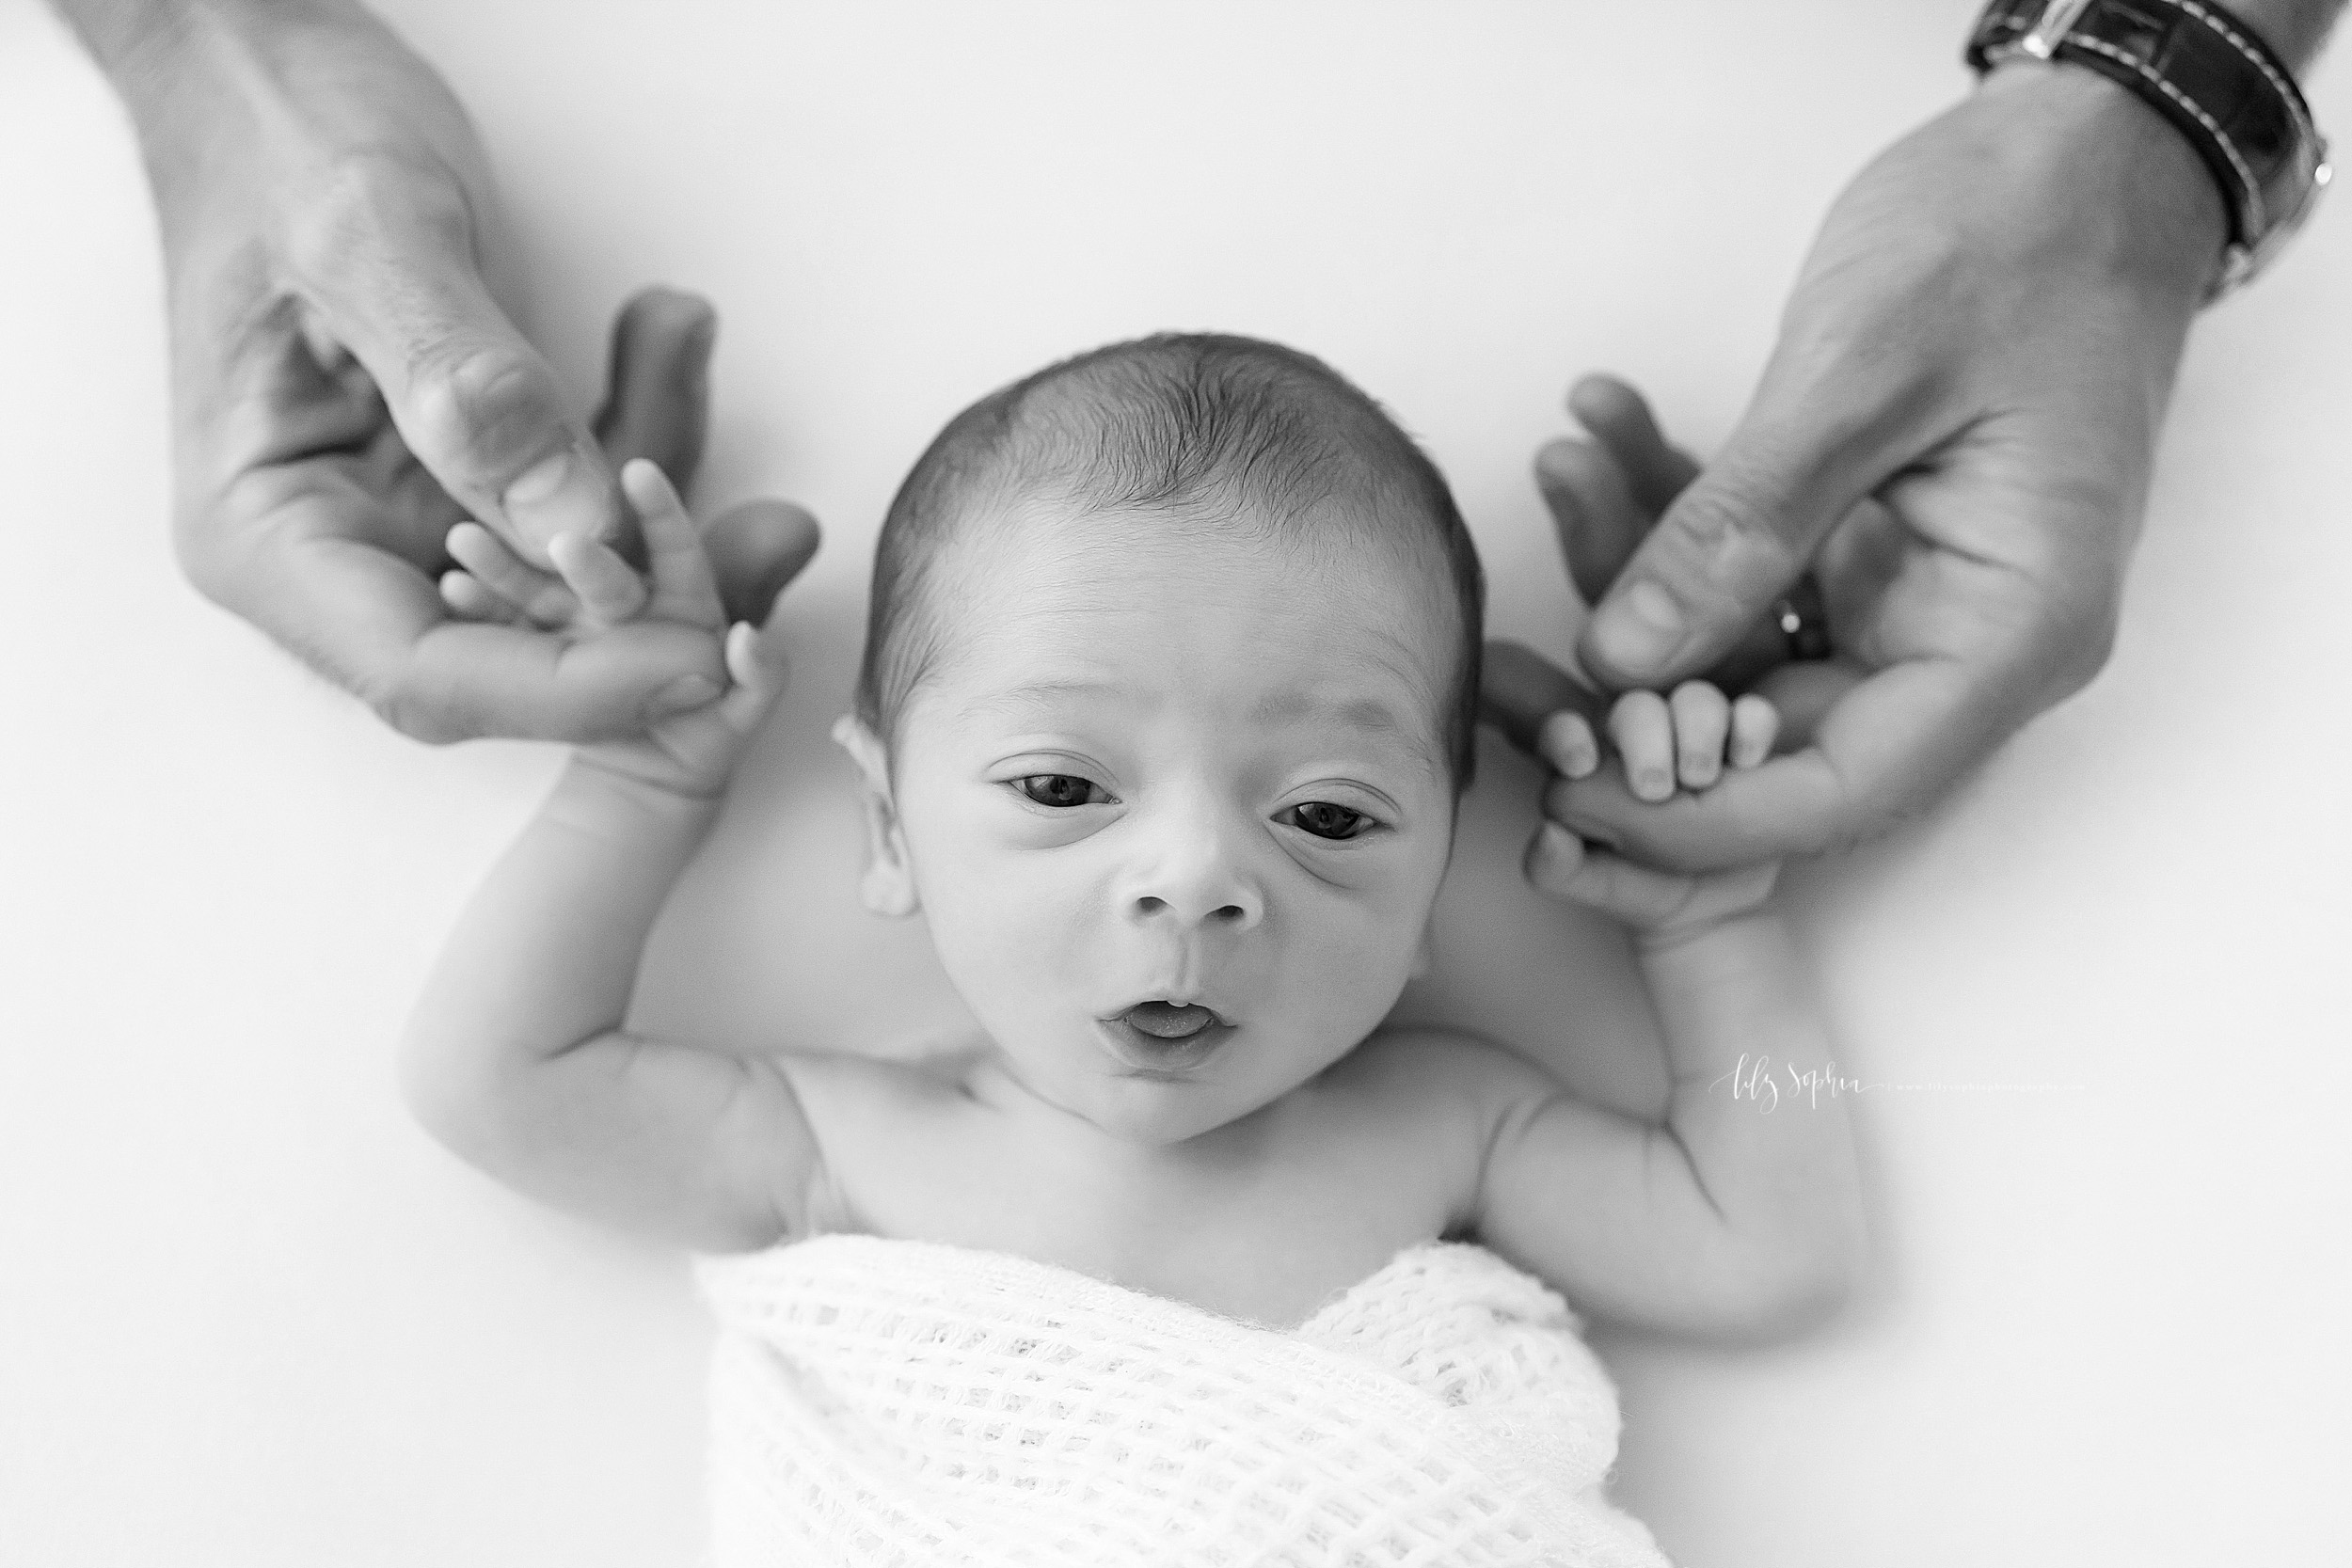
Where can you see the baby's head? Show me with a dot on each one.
(1170, 675)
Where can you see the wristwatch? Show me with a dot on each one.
(2208, 73)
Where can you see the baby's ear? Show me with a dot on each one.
(888, 885)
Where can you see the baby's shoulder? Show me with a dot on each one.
(1418, 1060)
(850, 1091)
(1430, 1082)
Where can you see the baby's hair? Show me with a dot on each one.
(1194, 425)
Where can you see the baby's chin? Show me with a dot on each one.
(1162, 1113)
(1155, 1114)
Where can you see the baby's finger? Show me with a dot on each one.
(1560, 863)
(683, 586)
(470, 601)
(756, 670)
(1641, 729)
(1754, 725)
(1702, 719)
(1566, 741)
(538, 597)
(608, 592)
(1554, 857)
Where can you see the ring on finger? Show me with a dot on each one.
(1804, 621)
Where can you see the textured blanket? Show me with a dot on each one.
(898, 1403)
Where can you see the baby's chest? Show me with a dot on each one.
(1266, 1237)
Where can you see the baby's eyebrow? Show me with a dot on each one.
(1367, 714)
(1363, 713)
(1036, 694)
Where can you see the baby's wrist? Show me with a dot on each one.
(617, 798)
(1676, 938)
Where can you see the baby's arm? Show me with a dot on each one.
(517, 1056)
(1739, 1215)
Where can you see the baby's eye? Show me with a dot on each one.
(1060, 789)
(1326, 820)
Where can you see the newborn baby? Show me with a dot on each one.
(1165, 717)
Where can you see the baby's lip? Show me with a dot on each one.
(1149, 1053)
(1217, 1017)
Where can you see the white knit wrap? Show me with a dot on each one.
(900, 1402)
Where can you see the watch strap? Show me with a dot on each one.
(2208, 73)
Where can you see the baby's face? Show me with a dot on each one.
(1163, 771)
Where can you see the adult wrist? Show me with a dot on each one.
(214, 89)
(2098, 141)
(2209, 75)
(140, 44)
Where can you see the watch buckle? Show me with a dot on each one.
(2041, 39)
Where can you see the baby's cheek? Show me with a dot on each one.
(1342, 978)
(1012, 941)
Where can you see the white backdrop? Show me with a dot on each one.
(249, 1315)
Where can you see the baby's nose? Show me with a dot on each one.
(1193, 875)
(1239, 915)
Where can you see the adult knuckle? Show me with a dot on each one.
(1738, 525)
(475, 401)
(1711, 518)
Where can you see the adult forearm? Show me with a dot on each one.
(131, 40)
(118, 33)
(208, 84)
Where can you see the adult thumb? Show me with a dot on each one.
(387, 268)
(1744, 530)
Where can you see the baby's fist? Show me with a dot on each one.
(1687, 738)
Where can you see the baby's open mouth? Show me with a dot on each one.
(1162, 1037)
(1168, 1021)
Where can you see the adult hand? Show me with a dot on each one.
(348, 387)
(1954, 431)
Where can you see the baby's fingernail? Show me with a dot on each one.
(685, 693)
(1653, 784)
(559, 493)
(1640, 629)
(1564, 743)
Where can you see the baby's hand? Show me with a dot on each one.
(1688, 737)
(592, 588)
(1663, 907)
(694, 752)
